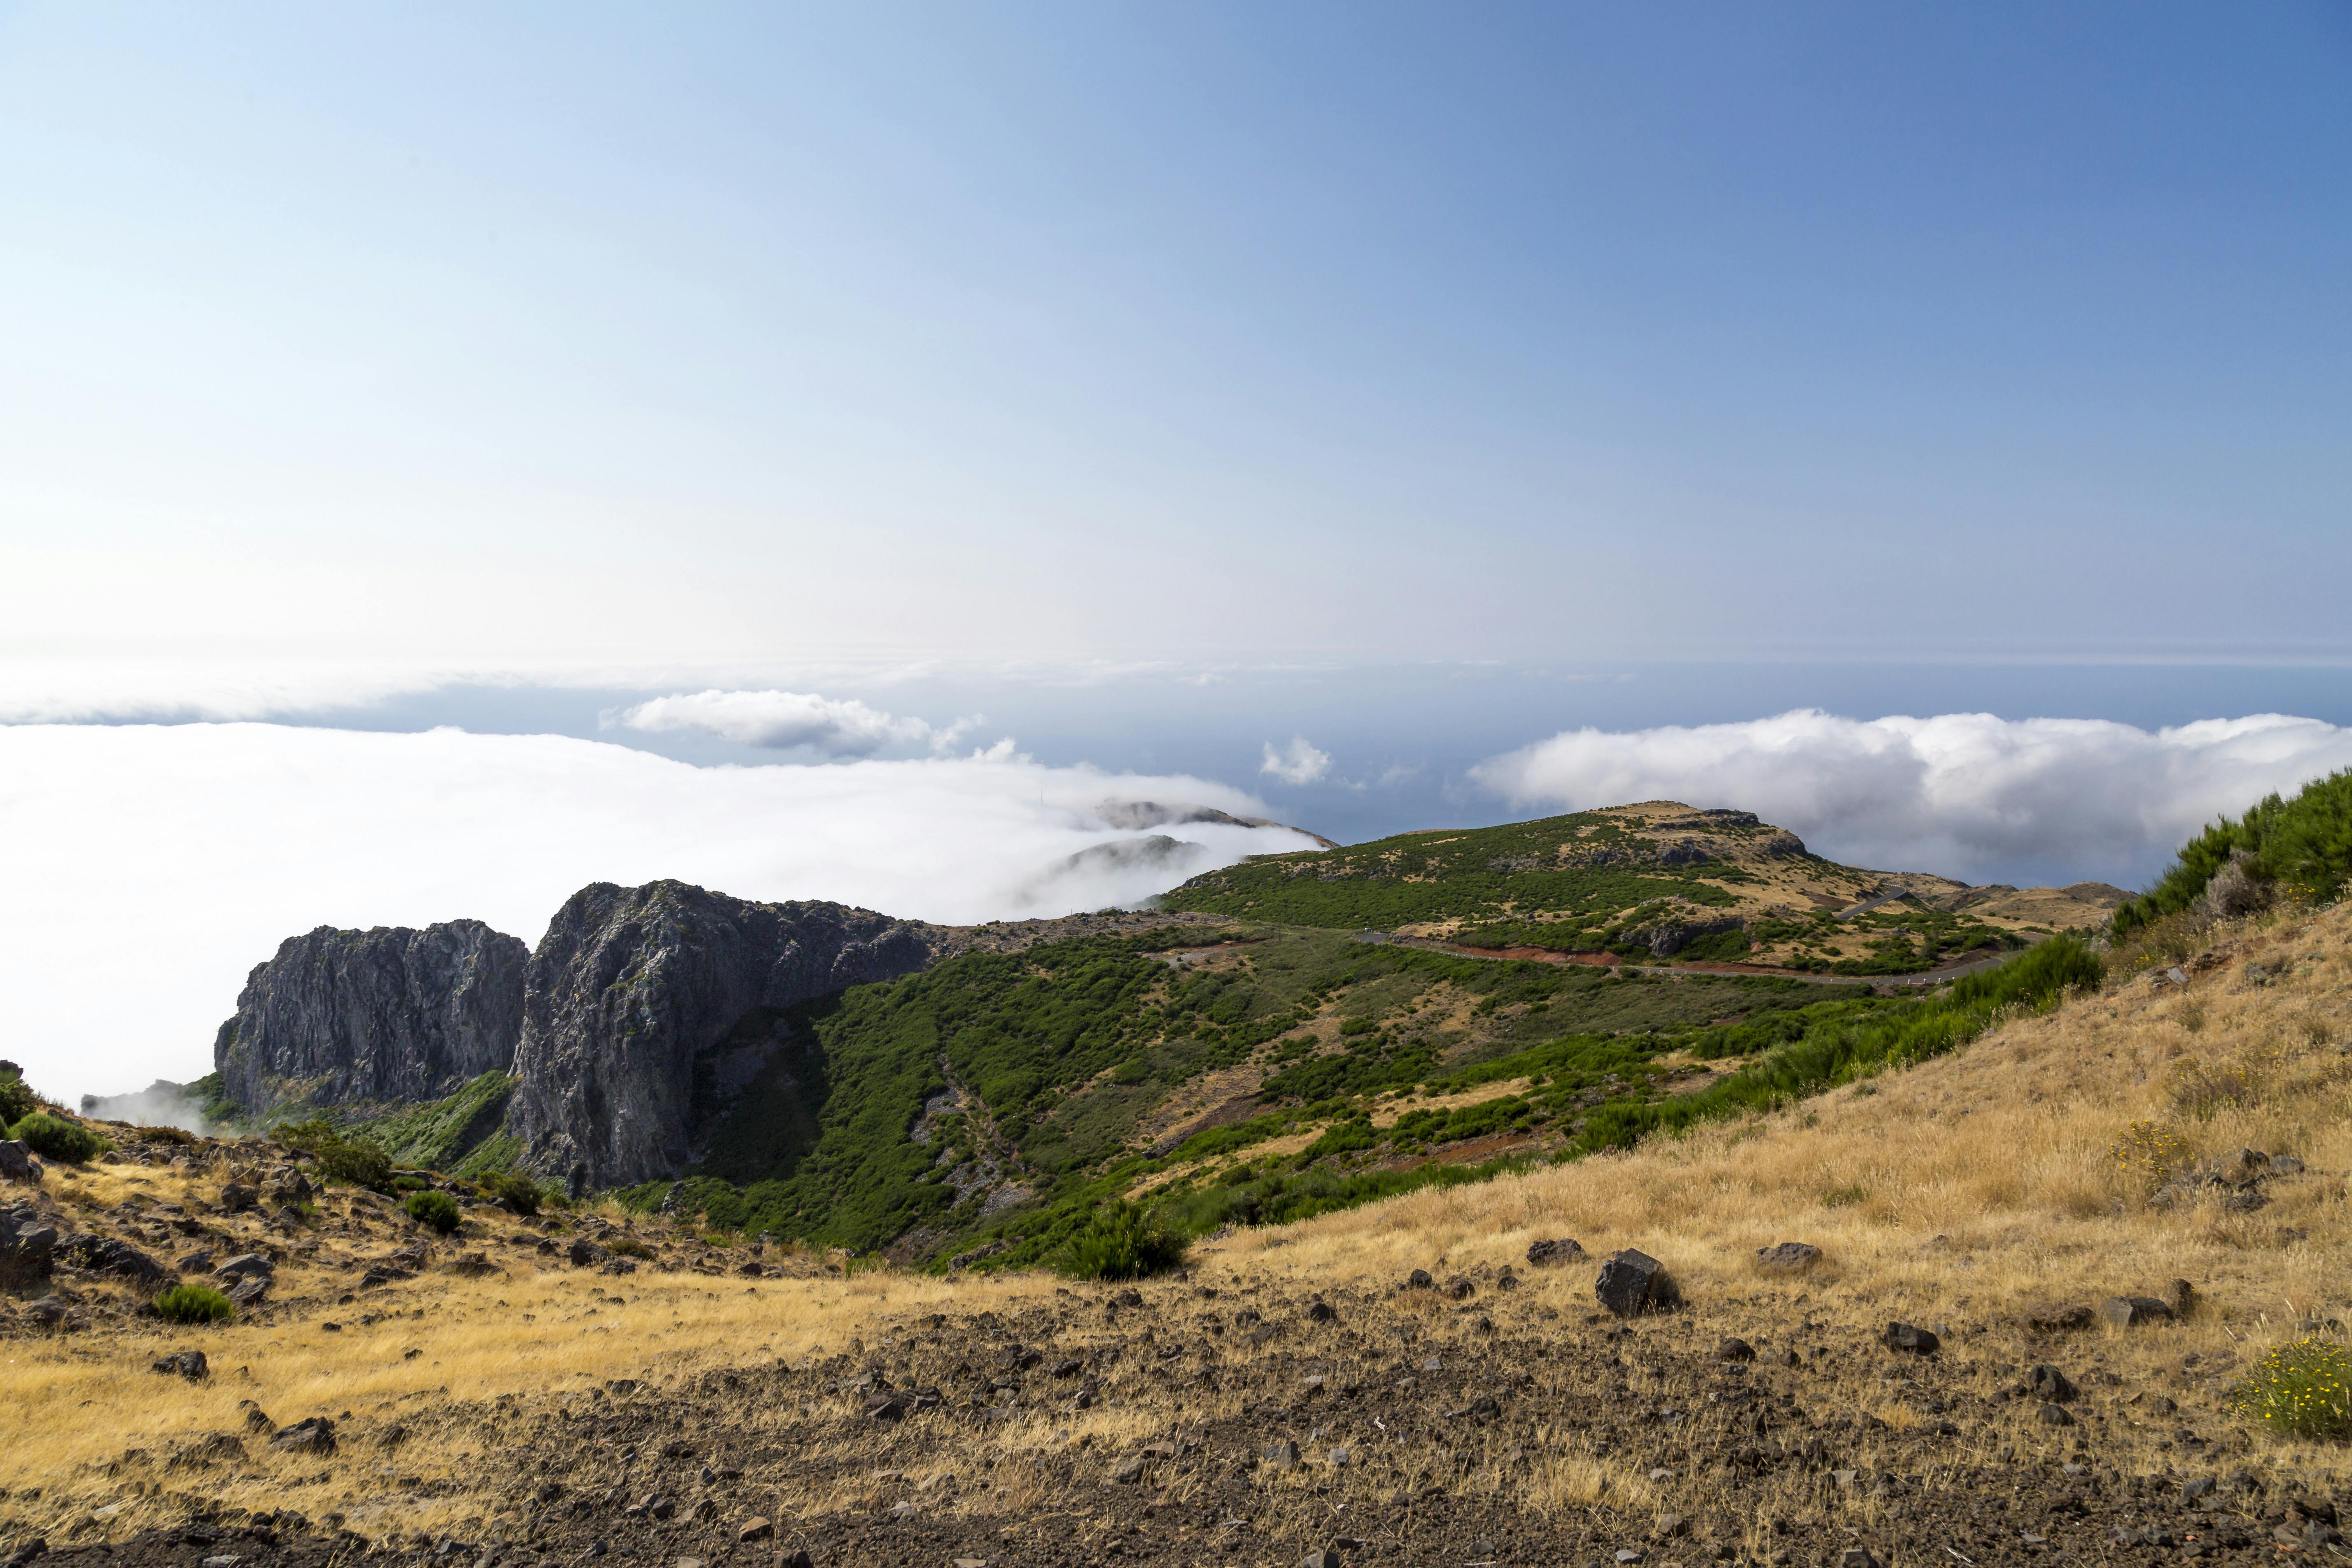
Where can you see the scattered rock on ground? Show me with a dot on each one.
(1633, 1282)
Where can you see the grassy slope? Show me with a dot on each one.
(1070, 1055)
(1593, 882)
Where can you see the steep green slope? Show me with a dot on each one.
(1035, 1083)
(2302, 846)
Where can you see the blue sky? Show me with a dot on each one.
(451, 453)
(601, 333)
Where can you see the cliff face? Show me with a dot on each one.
(630, 985)
(343, 1017)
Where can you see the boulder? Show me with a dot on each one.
(189, 1364)
(1632, 1282)
(2058, 1317)
(246, 1266)
(1419, 1279)
(27, 1246)
(2134, 1312)
(2053, 1416)
(1735, 1350)
(2047, 1382)
(1788, 1256)
(106, 1255)
(17, 1162)
(249, 1292)
(759, 1528)
(585, 1253)
(315, 1436)
(1282, 1455)
(1910, 1339)
(236, 1198)
(1563, 1250)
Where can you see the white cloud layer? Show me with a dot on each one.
(1297, 764)
(836, 727)
(1964, 795)
(150, 867)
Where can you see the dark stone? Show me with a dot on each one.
(105, 1255)
(2131, 1312)
(1459, 1287)
(1735, 1350)
(1419, 1279)
(1128, 1470)
(236, 1199)
(247, 1265)
(189, 1364)
(249, 1290)
(1322, 1311)
(1282, 1454)
(1633, 1282)
(17, 1162)
(315, 1436)
(586, 1254)
(27, 1246)
(2049, 1383)
(344, 1018)
(1562, 1250)
(1910, 1339)
(1789, 1256)
(2053, 1416)
(631, 985)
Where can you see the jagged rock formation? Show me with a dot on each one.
(345, 1017)
(631, 985)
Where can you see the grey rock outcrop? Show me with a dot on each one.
(343, 1017)
(631, 985)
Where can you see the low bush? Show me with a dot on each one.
(16, 1101)
(438, 1210)
(2149, 1153)
(628, 1246)
(55, 1137)
(2300, 1390)
(1121, 1240)
(354, 1161)
(514, 1189)
(193, 1304)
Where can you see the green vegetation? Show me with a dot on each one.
(2303, 847)
(438, 1210)
(211, 1096)
(17, 1100)
(459, 1134)
(352, 1160)
(2300, 1390)
(1578, 869)
(1121, 1240)
(518, 1192)
(195, 1304)
(55, 1137)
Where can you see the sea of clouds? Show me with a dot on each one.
(1954, 795)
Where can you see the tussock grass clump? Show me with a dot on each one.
(2300, 1390)
(438, 1210)
(628, 1246)
(195, 1304)
(55, 1137)
(1119, 1241)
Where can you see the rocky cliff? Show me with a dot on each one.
(348, 1017)
(632, 985)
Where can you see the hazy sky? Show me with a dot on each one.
(662, 334)
(451, 453)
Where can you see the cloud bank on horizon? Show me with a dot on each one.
(783, 720)
(153, 866)
(1956, 794)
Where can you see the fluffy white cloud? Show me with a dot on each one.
(1297, 764)
(150, 867)
(1964, 795)
(838, 727)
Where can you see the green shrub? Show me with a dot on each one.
(16, 1101)
(55, 1137)
(2300, 1390)
(1119, 1241)
(354, 1161)
(438, 1210)
(193, 1304)
(514, 1189)
(409, 1183)
(628, 1246)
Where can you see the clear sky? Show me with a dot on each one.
(544, 334)
(452, 453)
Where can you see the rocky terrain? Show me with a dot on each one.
(1944, 1315)
(360, 1018)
